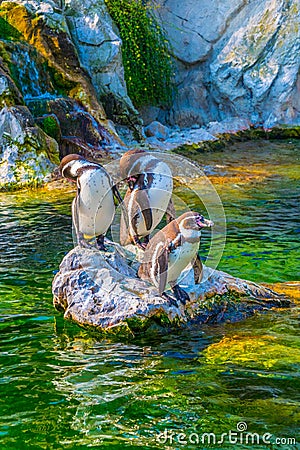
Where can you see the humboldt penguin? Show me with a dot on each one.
(93, 208)
(148, 197)
(170, 251)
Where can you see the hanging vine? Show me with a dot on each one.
(146, 57)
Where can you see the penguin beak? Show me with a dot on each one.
(131, 182)
(202, 222)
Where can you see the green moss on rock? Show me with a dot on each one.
(50, 126)
(62, 85)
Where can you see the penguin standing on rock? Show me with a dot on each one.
(148, 197)
(93, 208)
(170, 251)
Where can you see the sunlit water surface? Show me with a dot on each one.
(63, 388)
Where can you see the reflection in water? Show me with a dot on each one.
(62, 387)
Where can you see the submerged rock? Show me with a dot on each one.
(9, 93)
(102, 291)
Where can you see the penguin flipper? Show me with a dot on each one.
(170, 212)
(162, 273)
(198, 269)
(142, 199)
(117, 194)
(75, 218)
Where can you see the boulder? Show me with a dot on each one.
(158, 130)
(75, 124)
(27, 154)
(102, 291)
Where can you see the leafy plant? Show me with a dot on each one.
(146, 59)
(51, 127)
(7, 31)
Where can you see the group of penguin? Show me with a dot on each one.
(147, 200)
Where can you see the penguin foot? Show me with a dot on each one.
(84, 243)
(138, 243)
(146, 241)
(100, 243)
(171, 300)
(180, 294)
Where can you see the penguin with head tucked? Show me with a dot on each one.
(148, 197)
(171, 250)
(93, 208)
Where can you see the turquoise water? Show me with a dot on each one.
(65, 388)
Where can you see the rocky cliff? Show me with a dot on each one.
(233, 58)
(57, 62)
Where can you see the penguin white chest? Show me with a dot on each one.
(96, 207)
(180, 258)
(159, 194)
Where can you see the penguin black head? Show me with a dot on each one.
(66, 166)
(193, 221)
(73, 165)
(128, 164)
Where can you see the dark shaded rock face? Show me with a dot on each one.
(78, 131)
(234, 58)
(100, 290)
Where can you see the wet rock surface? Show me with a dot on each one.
(237, 66)
(102, 291)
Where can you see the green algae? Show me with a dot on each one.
(253, 352)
